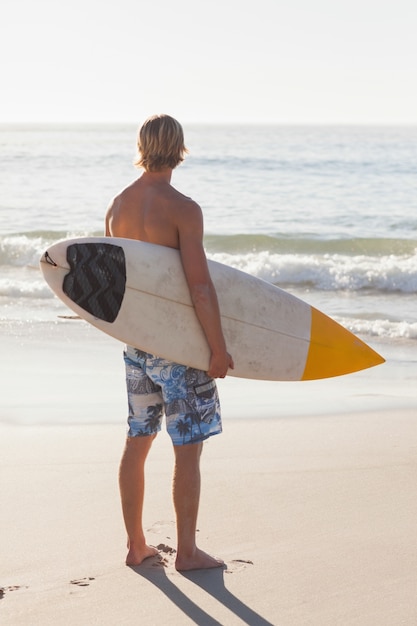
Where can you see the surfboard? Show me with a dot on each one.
(137, 293)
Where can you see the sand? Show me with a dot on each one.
(314, 513)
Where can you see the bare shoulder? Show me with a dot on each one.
(123, 200)
(113, 208)
(118, 213)
(127, 195)
(186, 207)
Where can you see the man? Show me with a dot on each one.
(151, 210)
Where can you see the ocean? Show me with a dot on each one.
(328, 213)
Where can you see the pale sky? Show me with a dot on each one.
(258, 61)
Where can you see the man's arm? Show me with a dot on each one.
(202, 290)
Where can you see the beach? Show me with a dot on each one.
(309, 495)
(311, 504)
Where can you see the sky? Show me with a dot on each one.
(209, 61)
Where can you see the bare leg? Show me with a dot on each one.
(132, 489)
(186, 496)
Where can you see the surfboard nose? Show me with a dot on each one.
(335, 351)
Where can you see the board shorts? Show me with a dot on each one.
(187, 396)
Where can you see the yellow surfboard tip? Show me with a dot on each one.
(335, 351)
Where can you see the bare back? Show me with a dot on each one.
(151, 210)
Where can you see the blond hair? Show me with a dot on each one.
(160, 144)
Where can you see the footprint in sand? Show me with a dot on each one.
(237, 565)
(166, 555)
(162, 527)
(3, 590)
(82, 582)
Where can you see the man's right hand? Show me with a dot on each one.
(220, 364)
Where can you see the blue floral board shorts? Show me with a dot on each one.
(187, 396)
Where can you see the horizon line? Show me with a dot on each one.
(204, 123)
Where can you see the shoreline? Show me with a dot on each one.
(73, 374)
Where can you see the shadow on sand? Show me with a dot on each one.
(211, 581)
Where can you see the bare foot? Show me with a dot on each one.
(137, 555)
(198, 560)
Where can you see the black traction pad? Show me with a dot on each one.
(97, 278)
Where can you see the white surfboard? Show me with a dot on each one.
(137, 293)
